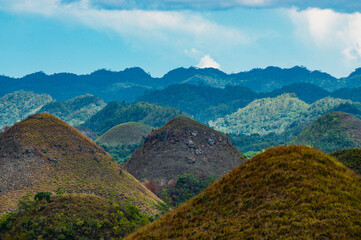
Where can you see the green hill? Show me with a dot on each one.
(293, 192)
(203, 102)
(262, 116)
(17, 106)
(351, 158)
(122, 140)
(332, 131)
(275, 115)
(125, 133)
(115, 113)
(183, 146)
(71, 216)
(75, 111)
(43, 153)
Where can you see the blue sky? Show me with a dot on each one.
(81, 36)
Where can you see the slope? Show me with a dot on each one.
(115, 113)
(283, 193)
(125, 133)
(75, 111)
(43, 153)
(18, 105)
(262, 116)
(332, 131)
(183, 146)
(351, 158)
(122, 140)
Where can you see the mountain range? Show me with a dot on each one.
(133, 82)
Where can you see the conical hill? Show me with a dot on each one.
(125, 133)
(43, 153)
(293, 192)
(183, 146)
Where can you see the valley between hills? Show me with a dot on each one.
(196, 154)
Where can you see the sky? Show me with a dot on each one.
(81, 36)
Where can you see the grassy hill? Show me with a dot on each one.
(332, 131)
(125, 133)
(17, 106)
(351, 158)
(122, 140)
(71, 216)
(183, 146)
(115, 113)
(293, 192)
(75, 111)
(43, 153)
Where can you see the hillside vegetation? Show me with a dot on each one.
(331, 132)
(115, 113)
(43, 153)
(122, 140)
(17, 106)
(262, 116)
(293, 192)
(204, 103)
(351, 158)
(71, 216)
(275, 115)
(75, 111)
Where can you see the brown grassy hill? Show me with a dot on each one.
(331, 132)
(43, 153)
(126, 133)
(71, 216)
(183, 146)
(293, 192)
(351, 158)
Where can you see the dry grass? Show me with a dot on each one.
(60, 157)
(283, 193)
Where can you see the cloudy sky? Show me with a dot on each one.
(81, 36)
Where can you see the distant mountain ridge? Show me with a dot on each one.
(133, 82)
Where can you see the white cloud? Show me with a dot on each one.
(145, 23)
(339, 5)
(208, 62)
(330, 30)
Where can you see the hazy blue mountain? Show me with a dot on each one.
(203, 102)
(108, 85)
(133, 82)
(307, 92)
